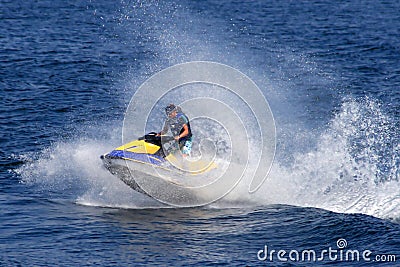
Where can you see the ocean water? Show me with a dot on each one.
(329, 70)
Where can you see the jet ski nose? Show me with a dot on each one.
(102, 157)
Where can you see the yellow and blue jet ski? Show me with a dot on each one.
(152, 156)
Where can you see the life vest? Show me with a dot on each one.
(186, 119)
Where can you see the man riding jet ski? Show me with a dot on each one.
(154, 156)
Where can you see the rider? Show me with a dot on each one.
(179, 125)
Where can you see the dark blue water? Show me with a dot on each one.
(331, 74)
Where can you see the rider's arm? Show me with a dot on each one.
(185, 131)
(164, 129)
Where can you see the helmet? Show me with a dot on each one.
(170, 108)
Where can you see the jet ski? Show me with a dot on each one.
(151, 163)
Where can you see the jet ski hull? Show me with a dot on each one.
(143, 166)
(119, 168)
